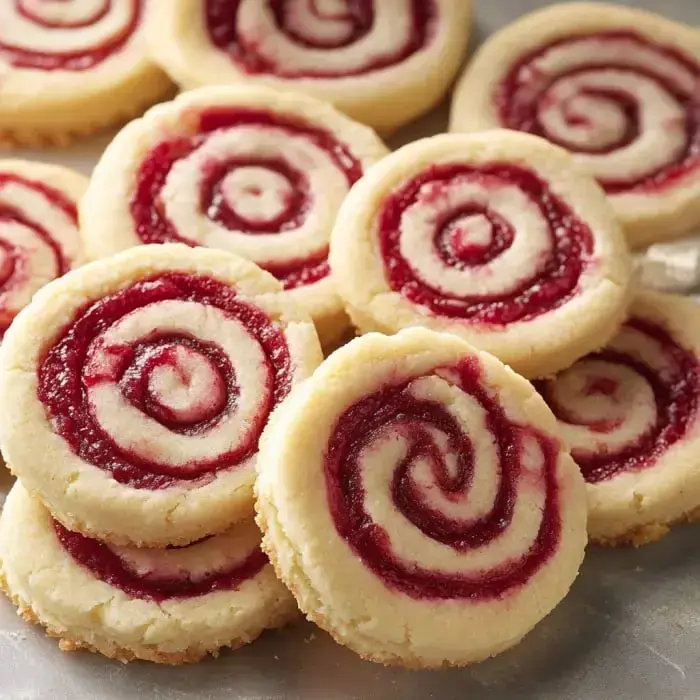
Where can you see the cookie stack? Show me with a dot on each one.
(426, 492)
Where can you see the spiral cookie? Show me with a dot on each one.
(147, 379)
(618, 88)
(71, 67)
(495, 237)
(413, 497)
(382, 62)
(166, 605)
(251, 170)
(39, 237)
(630, 416)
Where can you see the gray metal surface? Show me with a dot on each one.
(629, 630)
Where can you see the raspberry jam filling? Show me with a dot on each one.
(13, 257)
(669, 394)
(98, 382)
(603, 105)
(79, 59)
(418, 421)
(226, 202)
(313, 28)
(466, 238)
(164, 577)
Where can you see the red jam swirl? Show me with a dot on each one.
(395, 409)
(75, 60)
(676, 393)
(106, 565)
(222, 23)
(65, 378)
(526, 90)
(153, 226)
(552, 284)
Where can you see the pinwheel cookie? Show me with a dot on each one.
(495, 237)
(247, 169)
(166, 605)
(383, 62)
(136, 388)
(414, 498)
(630, 416)
(69, 68)
(615, 86)
(39, 237)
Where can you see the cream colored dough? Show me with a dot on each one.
(533, 347)
(33, 215)
(384, 98)
(51, 588)
(87, 498)
(332, 584)
(39, 107)
(647, 215)
(108, 225)
(636, 506)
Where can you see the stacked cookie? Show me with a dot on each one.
(139, 387)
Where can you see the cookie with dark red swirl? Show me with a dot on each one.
(618, 87)
(255, 171)
(497, 237)
(415, 498)
(630, 416)
(383, 62)
(170, 606)
(69, 68)
(146, 380)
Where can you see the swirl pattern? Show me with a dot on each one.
(73, 35)
(170, 379)
(311, 39)
(452, 240)
(454, 485)
(621, 409)
(627, 106)
(258, 183)
(218, 563)
(39, 238)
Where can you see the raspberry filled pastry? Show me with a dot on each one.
(39, 238)
(137, 388)
(617, 87)
(415, 499)
(496, 237)
(247, 169)
(383, 62)
(630, 416)
(72, 67)
(170, 606)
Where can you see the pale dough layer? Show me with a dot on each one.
(86, 498)
(332, 585)
(109, 227)
(536, 347)
(647, 217)
(384, 99)
(53, 107)
(50, 588)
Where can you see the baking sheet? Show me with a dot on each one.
(629, 630)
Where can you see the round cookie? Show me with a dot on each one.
(170, 606)
(70, 68)
(383, 63)
(495, 237)
(630, 416)
(415, 499)
(39, 238)
(146, 380)
(615, 86)
(247, 169)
